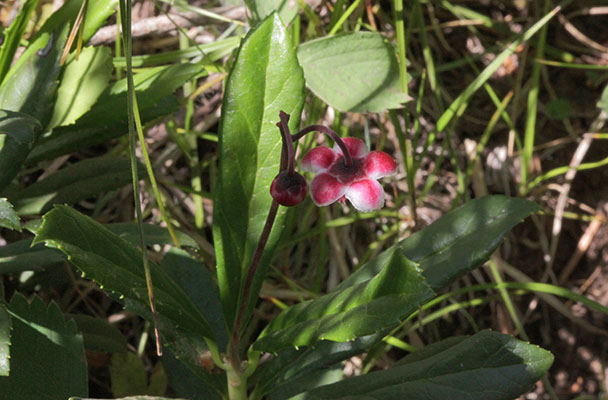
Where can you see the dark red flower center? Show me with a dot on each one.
(347, 174)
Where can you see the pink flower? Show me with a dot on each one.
(335, 180)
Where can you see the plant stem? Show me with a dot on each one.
(348, 161)
(237, 383)
(287, 143)
(244, 303)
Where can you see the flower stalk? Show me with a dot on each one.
(347, 171)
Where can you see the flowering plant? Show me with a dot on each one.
(348, 171)
(216, 346)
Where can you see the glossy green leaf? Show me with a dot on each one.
(22, 256)
(13, 36)
(117, 266)
(260, 9)
(8, 217)
(5, 340)
(456, 243)
(99, 335)
(47, 355)
(83, 81)
(291, 366)
(265, 79)
(486, 366)
(21, 127)
(108, 118)
(98, 11)
(32, 84)
(355, 72)
(198, 284)
(355, 311)
(76, 182)
(30, 89)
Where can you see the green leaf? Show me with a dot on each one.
(83, 81)
(129, 376)
(292, 365)
(457, 242)
(19, 256)
(486, 366)
(355, 72)
(98, 12)
(47, 355)
(355, 311)
(309, 381)
(76, 182)
(5, 341)
(265, 79)
(198, 284)
(99, 335)
(29, 88)
(8, 216)
(117, 266)
(13, 36)
(190, 380)
(108, 118)
(22, 256)
(21, 127)
(261, 9)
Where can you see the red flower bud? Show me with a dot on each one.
(288, 190)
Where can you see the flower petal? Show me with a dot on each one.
(355, 146)
(318, 159)
(378, 164)
(325, 189)
(366, 195)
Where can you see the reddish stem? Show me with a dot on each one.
(348, 161)
(244, 302)
(287, 143)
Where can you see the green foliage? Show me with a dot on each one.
(76, 182)
(108, 118)
(98, 12)
(57, 367)
(117, 266)
(134, 398)
(5, 340)
(30, 89)
(21, 127)
(603, 102)
(260, 9)
(355, 72)
(22, 256)
(265, 79)
(355, 311)
(486, 366)
(8, 217)
(100, 335)
(92, 72)
(456, 243)
(290, 366)
(129, 377)
(13, 35)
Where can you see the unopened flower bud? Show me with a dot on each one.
(288, 189)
